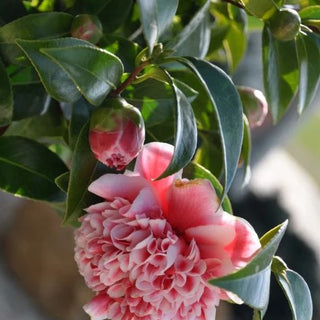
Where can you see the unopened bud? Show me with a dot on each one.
(255, 105)
(86, 27)
(116, 133)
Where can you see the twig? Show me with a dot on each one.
(235, 3)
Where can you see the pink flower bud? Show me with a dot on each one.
(255, 105)
(116, 133)
(86, 27)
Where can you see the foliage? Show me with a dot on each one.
(174, 61)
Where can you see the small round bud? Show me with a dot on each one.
(255, 105)
(116, 133)
(285, 24)
(86, 27)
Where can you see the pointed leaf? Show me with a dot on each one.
(280, 73)
(29, 169)
(246, 151)
(95, 72)
(227, 106)
(309, 71)
(185, 137)
(295, 289)
(31, 27)
(251, 283)
(6, 97)
(194, 39)
(83, 167)
(56, 81)
(155, 16)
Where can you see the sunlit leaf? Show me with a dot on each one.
(280, 73)
(156, 15)
(309, 71)
(251, 283)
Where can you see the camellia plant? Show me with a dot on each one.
(123, 116)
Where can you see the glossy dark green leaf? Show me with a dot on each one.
(85, 168)
(155, 16)
(62, 181)
(280, 73)
(185, 138)
(295, 289)
(6, 97)
(30, 99)
(28, 169)
(196, 171)
(194, 39)
(80, 115)
(95, 72)
(114, 13)
(31, 27)
(251, 283)
(56, 81)
(309, 71)
(227, 107)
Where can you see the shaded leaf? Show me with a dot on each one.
(34, 26)
(309, 71)
(280, 73)
(30, 99)
(227, 107)
(6, 97)
(95, 72)
(155, 16)
(194, 39)
(246, 151)
(29, 169)
(295, 289)
(62, 181)
(251, 283)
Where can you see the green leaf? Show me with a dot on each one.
(155, 16)
(251, 283)
(246, 151)
(80, 115)
(30, 99)
(310, 16)
(124, 49)
(85, 168)
(28, 169)
(227, 107)
(280, 73)
(185, 138)
(295, 289)
(62, 181)
(48, 127)
(31, 27)
(56, 81)
(6, 97)
(194, 39)
(95, 72)
(309, 71)
(196, 171)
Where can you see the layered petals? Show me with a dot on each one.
(149, 249)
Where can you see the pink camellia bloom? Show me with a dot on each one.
(116, 133)
(150, 248)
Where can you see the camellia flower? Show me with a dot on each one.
(116, 133)
(150, 248)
